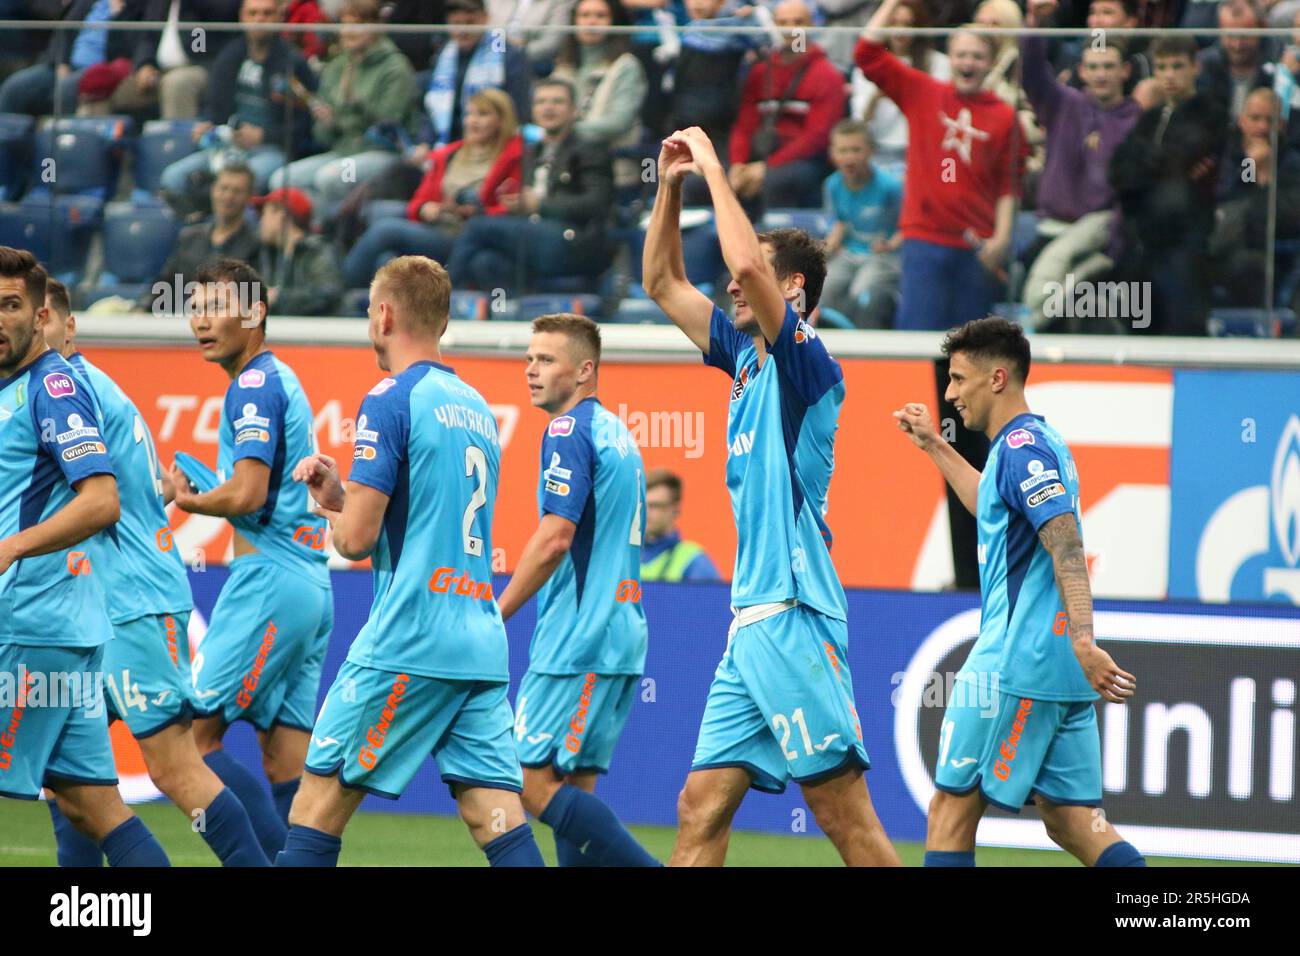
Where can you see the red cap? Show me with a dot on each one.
(294, 201)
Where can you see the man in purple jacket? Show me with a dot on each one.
(1075, 201)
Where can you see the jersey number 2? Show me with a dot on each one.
(475, 465)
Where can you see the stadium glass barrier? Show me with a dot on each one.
(1206, 240)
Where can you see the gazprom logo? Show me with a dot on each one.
(1258, 520)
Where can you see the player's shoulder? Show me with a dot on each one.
(579, 425)
(53, 379)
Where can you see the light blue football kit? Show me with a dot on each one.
(53, 620)
(262, 656)
(428, 673)
(147, 665)
(781, 702)
(588, 650)
(1041, 735)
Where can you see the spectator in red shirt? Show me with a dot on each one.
(964, 158)
(788, 106)
(466, 178)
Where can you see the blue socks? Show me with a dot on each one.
(516, 848)
(283, 794)
(270, 830)
(74, 847)
(1122, 853)
(949, 857)
(228, 831)
(307, 847)
(568, 854)
(583, 819)
(131, 844)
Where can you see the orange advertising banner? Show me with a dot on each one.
(886, 498)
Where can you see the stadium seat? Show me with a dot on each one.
(639, 311)
(161, 143)
(15, 145)
(531, 306)
(813, 221)
(137, 242)
(78, 155)
(57, 232)
(469, 305)
(1251, 323)
(828, 318)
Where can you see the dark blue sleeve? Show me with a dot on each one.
(1029, 479)
(802, 361)
(568, 467)
(256, 416)
(383, 429)
(725, 343)
(68, 426)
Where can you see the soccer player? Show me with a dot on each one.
(57, 488)
(781, 702)
(1036, 637)
(588, 650)
(149, 603)
(427, 674)
(261, 658)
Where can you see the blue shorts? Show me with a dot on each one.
(57, 731)
(377, 726)
(781, 703)
(572, 722)
(146, 684)
(262, 656)
(1015, 747)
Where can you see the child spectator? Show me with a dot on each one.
(862, 246)
(964, 159)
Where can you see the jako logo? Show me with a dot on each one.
(1007, 752)
(628, 590)
(573, 740)
(78, 563)
(245, 696)
(75, 908)
(1223, 547)
(313, 538)
(377, 733)
(444, 578)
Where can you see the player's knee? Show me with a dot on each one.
(700, 810)
(953, 818)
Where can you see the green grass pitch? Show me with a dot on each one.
(395, 839)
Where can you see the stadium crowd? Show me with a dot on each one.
(949, 176)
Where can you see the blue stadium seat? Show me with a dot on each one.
(469, 305)
(828, 318)
(531, 306)
(1251, 323)
(84, 154)
(15, 146)
(813, 221)
(137, 241)
(634, 311)
(57, 232)
(161, 143)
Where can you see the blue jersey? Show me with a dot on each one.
(429, 442)
(781, 450)
(49, 440)
(266, 416)
(1029, 479)
(143, 574)
(589, 614)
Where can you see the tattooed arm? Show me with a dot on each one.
(1060, 536)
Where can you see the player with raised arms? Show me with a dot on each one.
(1036, 638)
(261, 658)
(588, 650)
(149, 604)
(57, 489)
(781, 703)
(428, 673)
